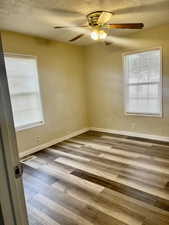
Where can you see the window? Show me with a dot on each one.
(24, 90)
(143, 83)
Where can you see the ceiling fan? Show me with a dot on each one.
(99, 26)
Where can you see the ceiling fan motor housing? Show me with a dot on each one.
(93, 17)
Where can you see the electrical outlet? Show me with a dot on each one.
(38, 139)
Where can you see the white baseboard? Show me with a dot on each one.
(52, 142)
(132, 134)
(78, 132)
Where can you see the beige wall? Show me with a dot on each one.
(104, 71)
(70, 105)
(61, 80)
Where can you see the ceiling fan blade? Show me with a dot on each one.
(125, 26)
(60, 27)
(76, 38)
(104, 17)
(107, 43)
(68, 27)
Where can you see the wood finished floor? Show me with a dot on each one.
(100, 179)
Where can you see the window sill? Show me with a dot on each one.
(144, 114)
(29, 126)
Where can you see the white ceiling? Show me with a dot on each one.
(38, 17)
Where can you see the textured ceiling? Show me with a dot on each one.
(37, 17)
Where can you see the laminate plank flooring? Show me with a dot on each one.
(98, 179)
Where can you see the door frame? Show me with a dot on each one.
(12, 198)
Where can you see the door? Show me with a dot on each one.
(13, 209)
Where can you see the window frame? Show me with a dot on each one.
(39, 123)
(125, 83)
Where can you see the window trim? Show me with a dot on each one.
(38, 123)
(29, 126)
(160, 115)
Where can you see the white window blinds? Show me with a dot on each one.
(143, 85)
(24, 90)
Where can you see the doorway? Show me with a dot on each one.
(13, 209)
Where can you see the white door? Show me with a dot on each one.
(12, 201)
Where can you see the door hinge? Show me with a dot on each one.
(18, 170)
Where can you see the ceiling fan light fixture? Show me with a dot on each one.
(95, 35)
(102, 34)
(98, 35)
